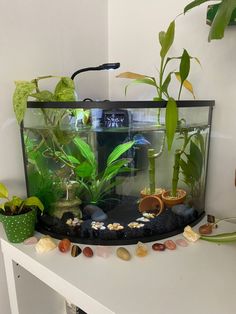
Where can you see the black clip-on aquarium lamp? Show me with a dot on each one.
(105, 66)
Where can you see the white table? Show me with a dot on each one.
(198, 279)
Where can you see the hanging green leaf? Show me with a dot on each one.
(167, 39)
(171, 121)
(64, 90)
(3, 191)
(221, 19)
(22, 92)
(194, 4)
(118, 151)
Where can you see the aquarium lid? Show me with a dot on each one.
(118, 104)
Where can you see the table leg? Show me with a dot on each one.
(8, 262)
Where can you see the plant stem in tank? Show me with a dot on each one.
(152, 156)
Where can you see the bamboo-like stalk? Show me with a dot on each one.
(175, 178)
(152, 166)
(152, 170)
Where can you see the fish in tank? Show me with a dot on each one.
(109, 178)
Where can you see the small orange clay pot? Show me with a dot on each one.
(146, 192)
(170, 201)
(151, 203)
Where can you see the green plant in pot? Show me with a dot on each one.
(162, 83)
(18, 216)
(188, 160)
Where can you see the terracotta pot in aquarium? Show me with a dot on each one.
(89, 172)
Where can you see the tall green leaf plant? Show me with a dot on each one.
(161, 84)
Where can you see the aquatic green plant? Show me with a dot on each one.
(97, 185)
(16, 205)
(221, 19)
(161, 85)
(190, 163)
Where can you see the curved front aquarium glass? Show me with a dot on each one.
(105, 175)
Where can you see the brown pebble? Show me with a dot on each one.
(158, 247)
(87, 251)
(170, 245)
(205, 229)
(75, 250)
(181, 242)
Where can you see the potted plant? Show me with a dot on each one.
(18, 216)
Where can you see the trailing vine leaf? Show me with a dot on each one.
(118, 151)
(3, 191)
(171, 121)
(64, 90)
(194, 4)
(221, 19)
(167, 39)
(22, 92)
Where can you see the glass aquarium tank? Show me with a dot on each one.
(105, 175)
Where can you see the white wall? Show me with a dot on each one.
(39, 38)
(133, 29)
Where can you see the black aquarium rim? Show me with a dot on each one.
(116, 242)
(117, 104)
